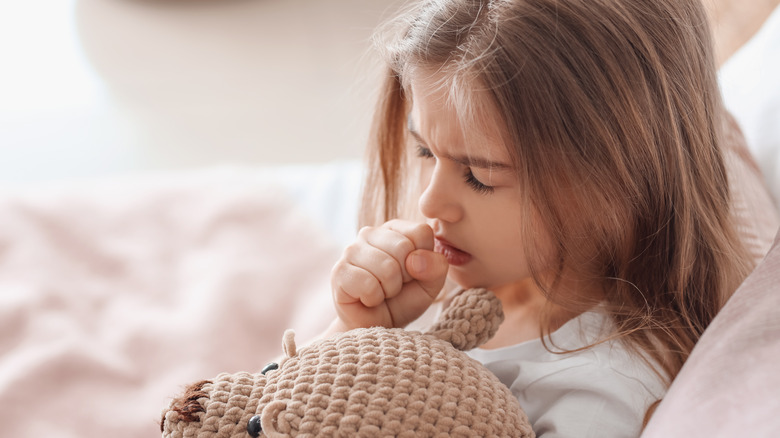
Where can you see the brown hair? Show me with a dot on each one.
(612, 106)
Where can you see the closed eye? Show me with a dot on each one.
(476, 184)
(424, 152)
(468, 176)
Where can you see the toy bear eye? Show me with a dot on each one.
(270, 367)
(254, 427)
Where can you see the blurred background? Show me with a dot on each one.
(102, 87)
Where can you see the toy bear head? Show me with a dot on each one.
(364, 382)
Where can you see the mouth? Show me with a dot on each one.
(455, 256)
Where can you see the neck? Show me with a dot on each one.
(524, 305)
(524, 293)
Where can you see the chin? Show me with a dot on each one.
(466, 281)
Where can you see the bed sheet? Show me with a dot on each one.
(114, 295)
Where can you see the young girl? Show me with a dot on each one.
(565, 154)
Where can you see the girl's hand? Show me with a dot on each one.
(388, 277)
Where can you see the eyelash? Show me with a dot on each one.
(471, 180)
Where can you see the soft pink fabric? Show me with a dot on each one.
(730, 386)
(115, 296)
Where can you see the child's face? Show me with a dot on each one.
(470, 192)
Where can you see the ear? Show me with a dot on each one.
(288, 343)
(470, 320)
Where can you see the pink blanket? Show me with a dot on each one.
(114, 295)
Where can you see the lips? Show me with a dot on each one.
(455, 256)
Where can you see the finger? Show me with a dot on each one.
(430, 271)
(421, 234)
(391, 242)
(353, 284)
(383, 266)
(356, 315)
(408, 305)
(429, 268)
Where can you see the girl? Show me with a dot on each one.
(565, 154)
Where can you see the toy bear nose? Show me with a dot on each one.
(254, 427)
(270, 367)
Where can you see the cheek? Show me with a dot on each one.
(504, 244)
(509, 254)
(500, 237)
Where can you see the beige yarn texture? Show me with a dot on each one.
(374, 382)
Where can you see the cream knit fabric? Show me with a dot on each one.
(374, 382)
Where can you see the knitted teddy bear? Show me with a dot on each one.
(365, 382)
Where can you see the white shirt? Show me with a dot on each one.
(602, 391)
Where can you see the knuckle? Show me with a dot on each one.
(370, 287)
(393, 223)
(370, 282)
(351, 251)
(400, 225)
(403, 247)
(388, 269)
(338, 269)
(352, 287)
(365, 231)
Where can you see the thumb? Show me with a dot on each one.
(429, 269)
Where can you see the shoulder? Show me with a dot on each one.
(590, 398)
(599, 391)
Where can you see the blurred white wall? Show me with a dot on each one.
(99, 87)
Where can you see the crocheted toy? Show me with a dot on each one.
(365, 382)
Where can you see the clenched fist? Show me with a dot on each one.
(388, 277)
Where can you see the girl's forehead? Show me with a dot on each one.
(442, 104)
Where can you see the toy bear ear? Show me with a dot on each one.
(470, 320)
(288, 343)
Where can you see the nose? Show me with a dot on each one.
(439, 200)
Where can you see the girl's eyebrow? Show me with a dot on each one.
(465, 160)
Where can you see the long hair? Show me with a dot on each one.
(613, 121)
